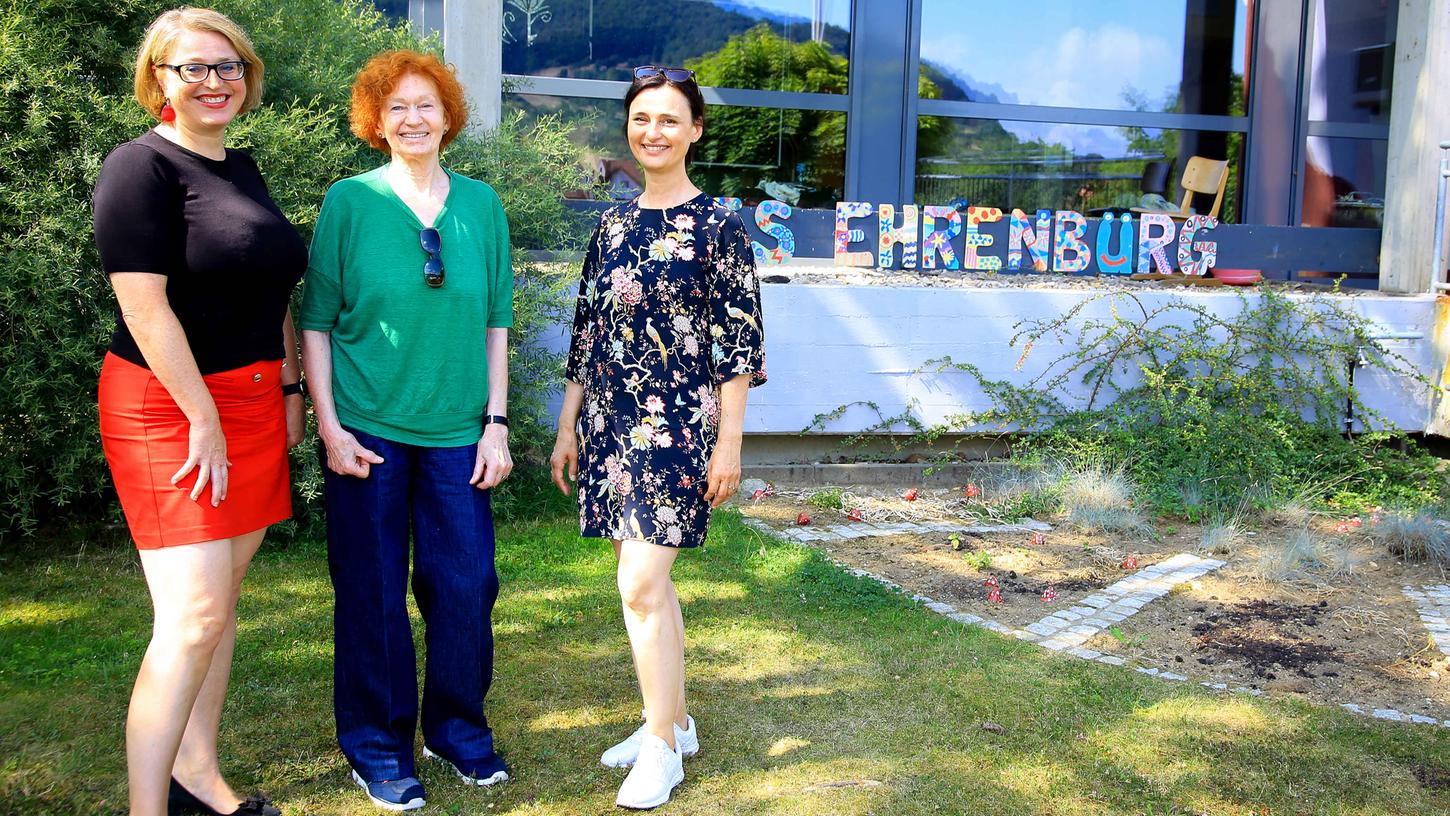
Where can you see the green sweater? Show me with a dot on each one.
(408, 360)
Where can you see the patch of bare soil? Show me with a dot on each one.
(1342, 636)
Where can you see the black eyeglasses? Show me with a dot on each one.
(433, 267)
(672, 74)
(194, 72)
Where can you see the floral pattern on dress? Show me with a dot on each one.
(668, 309)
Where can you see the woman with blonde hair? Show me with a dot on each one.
(199, 394)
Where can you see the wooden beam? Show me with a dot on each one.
(1419, 121)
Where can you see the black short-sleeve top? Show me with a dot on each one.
(230, 256)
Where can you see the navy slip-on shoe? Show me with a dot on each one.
(487, 771)
(394, 794)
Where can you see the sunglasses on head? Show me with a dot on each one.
(672, 74)
(433, 267)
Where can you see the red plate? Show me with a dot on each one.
(1237, 277)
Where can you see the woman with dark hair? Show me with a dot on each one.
(405, 319)
(198, 402)
(666, 342)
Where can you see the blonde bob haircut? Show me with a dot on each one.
(163, 33)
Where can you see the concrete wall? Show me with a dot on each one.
(832, 345)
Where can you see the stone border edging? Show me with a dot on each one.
(1137, 587)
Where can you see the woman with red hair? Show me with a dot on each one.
(405, 316)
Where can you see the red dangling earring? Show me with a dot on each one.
(168, 113)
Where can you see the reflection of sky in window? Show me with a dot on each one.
(834, 12)
(1063, 53)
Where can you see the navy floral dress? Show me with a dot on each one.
(668, 309)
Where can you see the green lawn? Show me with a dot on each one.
(816, 693)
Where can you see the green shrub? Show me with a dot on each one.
(65, 101)
(1204, 413)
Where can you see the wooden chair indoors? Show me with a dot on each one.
(1200, 176)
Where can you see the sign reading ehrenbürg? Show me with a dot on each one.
(981, 238)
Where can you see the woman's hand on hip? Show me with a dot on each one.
(296, 419)
(722, 474)
(346, 456)
(493, 462)
(565, 458)
(206, 453)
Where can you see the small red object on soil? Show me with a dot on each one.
(803, 519)
(995, 595)
(1342, 527)
(757, 495)
(1038, 539)
(854, 515)
(990, 582)
(910, 495)
(1049, 594)
(1356, 522)
(971, 491)
(1131, 562)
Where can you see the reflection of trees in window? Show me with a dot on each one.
(603, 39)
(744, 148)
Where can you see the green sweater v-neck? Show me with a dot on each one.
(408, 361)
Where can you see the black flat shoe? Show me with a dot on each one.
(181, 801)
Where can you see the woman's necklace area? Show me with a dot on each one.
(425, 204)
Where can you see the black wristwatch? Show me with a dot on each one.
(299, 387)
(495, 419)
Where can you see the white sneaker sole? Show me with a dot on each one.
(501, 776)
(652, 803)
(684, 754)
(411, 804)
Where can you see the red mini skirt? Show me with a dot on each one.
(145, 437)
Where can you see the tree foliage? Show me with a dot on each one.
(65, 102)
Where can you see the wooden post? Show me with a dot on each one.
(473, 43)
(1419, 121)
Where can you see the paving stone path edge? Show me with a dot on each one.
(1122, 598)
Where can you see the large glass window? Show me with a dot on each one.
(1031, 165)
(750, 153)
(1183, 56)
(784, 45)
(1351, 53)
(1349, 57)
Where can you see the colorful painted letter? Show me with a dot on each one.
(976, 216)
(1071, 227)
(1021, 234)
(1120, 262)
(1151, 245)
(731, 204)
(784, 238)
(845, 235)
(935, 241)
(904, 235)
(1208, 250)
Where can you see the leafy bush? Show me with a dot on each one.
(827, 499)
(65, 101)
(1204, 413)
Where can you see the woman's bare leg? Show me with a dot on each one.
(197, 765)
(191, 591)
(656, 641)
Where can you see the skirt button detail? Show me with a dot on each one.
(256, 378)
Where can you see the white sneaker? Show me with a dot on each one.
(656, 772)
(622, 754)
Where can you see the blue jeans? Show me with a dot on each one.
(375, 685)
